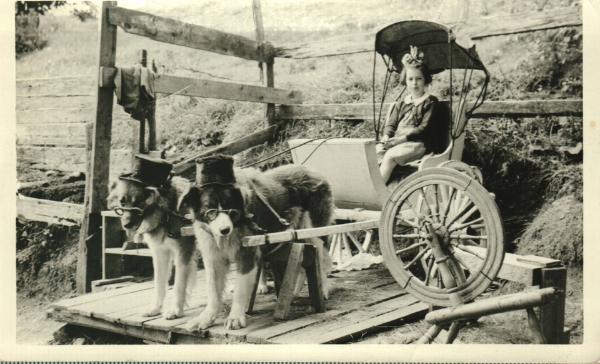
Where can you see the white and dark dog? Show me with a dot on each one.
(227, 206)
(146, 200)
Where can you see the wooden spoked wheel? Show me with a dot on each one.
(442, 208)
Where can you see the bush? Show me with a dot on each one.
(28, 36)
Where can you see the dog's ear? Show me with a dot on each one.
(189, 200)
(112, 198)
(152, 195)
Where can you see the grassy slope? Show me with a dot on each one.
(523, 66)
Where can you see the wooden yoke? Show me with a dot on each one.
(96, 189)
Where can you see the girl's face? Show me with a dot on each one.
(415, 82)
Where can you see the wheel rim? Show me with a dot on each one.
(466, 221)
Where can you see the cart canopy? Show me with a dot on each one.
(431, 38)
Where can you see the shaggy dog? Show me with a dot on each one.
(147, 215)
(227, 207)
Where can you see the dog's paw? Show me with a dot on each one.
(203, 321)
(262, 289)
(235, 321)
(153, 311)
(173, 313)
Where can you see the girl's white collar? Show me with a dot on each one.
(409, 100)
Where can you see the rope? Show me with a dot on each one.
(275, 154)
(315, 149)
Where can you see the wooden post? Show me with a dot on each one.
(90, 238)
(552, 315)
(314, 255)
(260, 39)
(286, 293)
(143, 59)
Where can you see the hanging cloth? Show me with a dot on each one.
(134, 87)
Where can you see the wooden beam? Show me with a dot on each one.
(493, 305)
(483, 27)
(90, 243)
(300, 234)
(60, 134)
(50, 102)
(184, 34)
(234, 147)
(186, 86)
(52, 212)
(364, 111)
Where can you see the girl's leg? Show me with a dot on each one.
(400, 155)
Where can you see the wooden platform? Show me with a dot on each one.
(359, 303)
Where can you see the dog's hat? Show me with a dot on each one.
(215, 169)
(149, 171)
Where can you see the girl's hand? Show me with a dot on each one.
(384, 139)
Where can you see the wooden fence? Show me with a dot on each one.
(67, 125)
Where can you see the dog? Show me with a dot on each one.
(228, 206)
(146, 200)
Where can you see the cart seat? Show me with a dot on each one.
(350, 166)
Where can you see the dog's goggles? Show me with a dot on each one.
(212, 214)
(121, 210)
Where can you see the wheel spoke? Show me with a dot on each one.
(469, 237)
(400, 220)
(447, 209)
(412, 236)
(428, 271)
(467, 224)
(470, 251)
(424, 197)
(410, 247)
(462, 215)
(414, 260)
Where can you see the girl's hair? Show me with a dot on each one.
(424, 70)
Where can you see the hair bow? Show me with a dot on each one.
(413, 58)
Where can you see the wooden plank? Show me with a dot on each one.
(359, 329)
(300, 234)
(52, 212)
(90, 243)
(481, 27)
(135, 252)
(68, 85)
(70, 159)
(75, 319)
(187, 86)
(59, 134)
(512, 268)
(377, 286)
(364, 111)
(91, 297)
(56, 115)
(52, 102)
(347, 325)
(234, 147)
(184, 34)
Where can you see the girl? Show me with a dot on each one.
(407, 130)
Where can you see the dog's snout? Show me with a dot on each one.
(225, 230)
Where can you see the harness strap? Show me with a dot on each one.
(264, 201)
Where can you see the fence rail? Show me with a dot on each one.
(52, 212)
(184, 34)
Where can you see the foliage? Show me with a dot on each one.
(28, 37)
(39, 7)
